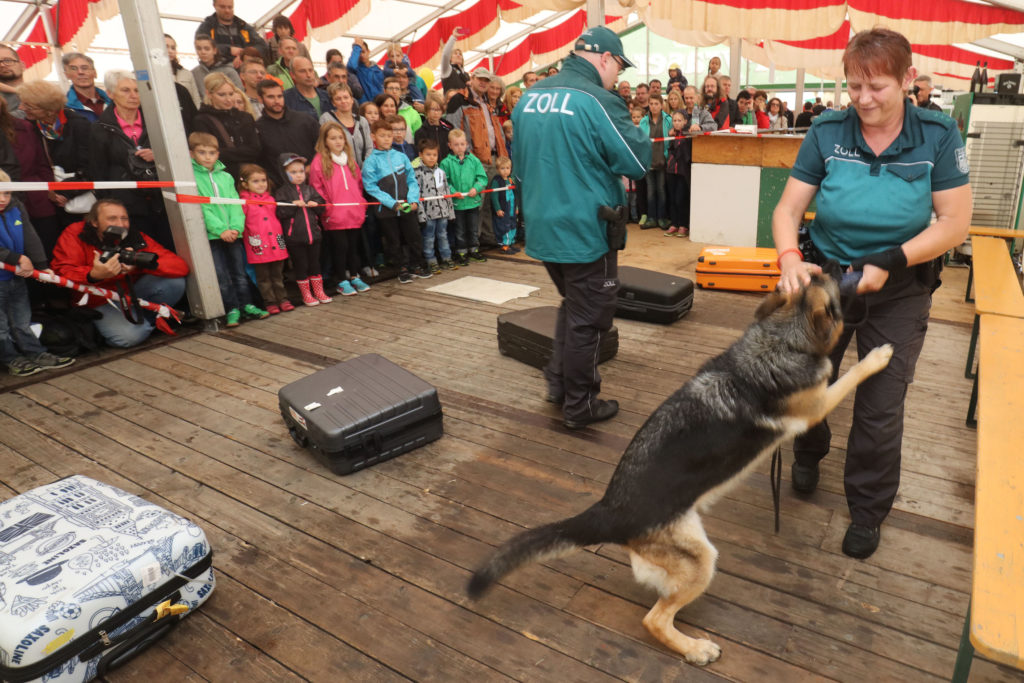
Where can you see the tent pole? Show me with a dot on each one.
(837, 95)
(647, 61)
(55, 51)
(800, 75)
(595, 13)
(167, 136)
(734, 64)
(23, 22)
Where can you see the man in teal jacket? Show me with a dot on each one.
(581, 142)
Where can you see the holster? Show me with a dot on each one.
(615, 225)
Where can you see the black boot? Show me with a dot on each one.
(804, 477)
(599, 410)
(861, 541)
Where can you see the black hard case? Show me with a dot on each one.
(528, 335)
(652, 296)
(381, 411)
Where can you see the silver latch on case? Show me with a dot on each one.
(104, 638)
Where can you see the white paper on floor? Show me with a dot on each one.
(484, 289)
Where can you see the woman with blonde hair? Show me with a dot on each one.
(235, 130)
(511, 99)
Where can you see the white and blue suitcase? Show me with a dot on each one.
(91, 575)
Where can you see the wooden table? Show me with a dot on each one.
(981, 231)
(998, 293)
(995, 618)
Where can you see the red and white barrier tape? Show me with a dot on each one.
(97, 185)
(162, 310)
(195, 199)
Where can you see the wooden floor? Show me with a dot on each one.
(362, 578)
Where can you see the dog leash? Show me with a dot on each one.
(775, 476)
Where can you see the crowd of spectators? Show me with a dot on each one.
(259, 101)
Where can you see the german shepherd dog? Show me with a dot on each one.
(769, 386)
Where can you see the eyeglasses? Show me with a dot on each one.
(8, 61)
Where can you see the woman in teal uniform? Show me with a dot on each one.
(878, 170)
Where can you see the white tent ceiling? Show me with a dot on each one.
(387, 20)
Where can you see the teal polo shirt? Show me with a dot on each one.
(867, 203)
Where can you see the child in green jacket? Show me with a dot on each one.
(467, 177)
(224, 226)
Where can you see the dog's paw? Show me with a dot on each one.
(878, 358)
(703, 652)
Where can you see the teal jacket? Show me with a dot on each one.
(218, 183)
(464, 175)
(666, 128)
(581, 143)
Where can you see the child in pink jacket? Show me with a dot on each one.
(264, 245)
(334, 173)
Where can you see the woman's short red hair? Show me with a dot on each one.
(879, 51)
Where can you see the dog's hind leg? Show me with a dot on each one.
(679, 562)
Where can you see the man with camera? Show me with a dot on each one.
(104, 250)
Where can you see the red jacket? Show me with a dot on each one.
(77, 248)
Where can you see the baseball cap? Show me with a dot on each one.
(290, 157)
(673, 67)
(482, 72)
(601, 39)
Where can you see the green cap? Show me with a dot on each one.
(601, 39)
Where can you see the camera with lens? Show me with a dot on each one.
(112, 237)
(916, 89)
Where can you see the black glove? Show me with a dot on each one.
(892, 260)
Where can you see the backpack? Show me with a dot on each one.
(70, 332)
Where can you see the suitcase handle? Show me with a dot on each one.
(131, 644)
(154, 623)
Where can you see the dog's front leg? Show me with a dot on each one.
(874, 362)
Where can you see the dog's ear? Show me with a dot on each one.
(770, 304)
(818, 307)
(832, 268)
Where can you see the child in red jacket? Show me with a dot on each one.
(335, 174)
(264, 244)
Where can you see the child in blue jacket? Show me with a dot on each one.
(504, 206)
(389, 178)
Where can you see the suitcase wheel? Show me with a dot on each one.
(298, 437)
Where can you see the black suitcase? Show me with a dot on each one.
(527, 336)
(652, 296)
(361, 412)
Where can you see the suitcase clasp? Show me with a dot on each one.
(165, 609)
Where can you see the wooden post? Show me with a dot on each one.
(170, 148)
(595, 13)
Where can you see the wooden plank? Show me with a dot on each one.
(997, 608)
(1001, 233)
(431, 573)
(997, 288)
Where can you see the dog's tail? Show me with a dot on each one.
(545, 542)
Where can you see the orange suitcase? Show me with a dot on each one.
(745, 269)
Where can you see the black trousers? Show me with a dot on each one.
(589, 292)
(678, 199)
(403, 244)
(897, 315)
(344, 249)
(305, 260)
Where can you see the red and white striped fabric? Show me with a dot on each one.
(94, 185)
(161, 310)
(196, 199)
(544, 47)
